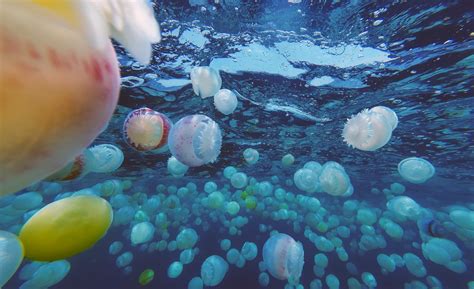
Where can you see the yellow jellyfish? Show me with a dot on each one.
(66, 227)
(59, 78)
(146, 277)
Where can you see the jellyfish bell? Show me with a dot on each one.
(225, 101)
(334, 180)
(213, 270)
(206, 81)
(195, 140)
(388, 113)
(404, 206)
(11, 255)
(416, 170)
(145, 129)
(59, 80)
(284, 257)
(107, 158)
(367, 131)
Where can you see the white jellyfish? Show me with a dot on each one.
(404, 206)
(142, 233)
(284, 258)
(306, 180)
(225, 101)
(416, 170)
(106, 158)
(176, 168)
(251, 156)
(195, 140)
(334, 180)
(371, 129)
(213, 270)
(11, 255)
(206, 81)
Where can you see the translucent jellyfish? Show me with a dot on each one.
(145, 129)
(225, 101)
(115, 247)
(263, 279)
(287, 160)
(76, 169)
(195, 140)
(142, 233)
(306, 180)
(175, 269)
(146, 277)
(176, 168)
(107, 158)
(371, 129)
(404, 206)
(225, 244)
(416, 170)
(79, 222)
(11, 255)
(213, 270)
(284, 257)
(249, 251)
(444, 252)
(233, 256)
(187, 238)
(229, 172)
(206, 81)
(48, 275)
(232, 208)
(463, 218)
(196, 283)
(239, 180)
(27, 201)
(334, 180)
(251, 156)
(186, 256)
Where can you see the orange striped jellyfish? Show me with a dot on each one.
(59, 79)
(145, 129)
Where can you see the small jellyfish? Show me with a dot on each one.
(404, 206)
(284, 258)
(146, 277)
(225, 101)
(195, 140)
(416, 170)
(334, 180)
(187, 238)
(11, 255)
(195, 283)
(287, 160)
(239, 180)
(175, 269)
(74, 170)
(142, 233)
(249, 251)
(251, 156)
(176, 168)
(371, 129)
(206, 81)
(306, 180)
(213, 270)
(79, 222)
(146, 130)
(107, 158)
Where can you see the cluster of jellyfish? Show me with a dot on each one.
(313, 202)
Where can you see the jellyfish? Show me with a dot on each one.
(124, 259)
(251, 156)
(416, 170)
(287, 160)
(195, 140)
(107, 158)
(187, 238)
(47, 275)
(142, 233)
(195, 283)
(146, 130)
(213, 270)
(62, 100)
(306, 180)
(284, 258)
(79, 222)
(146, 277)
(249, 251)
(206, 81)
(11, 255)
(404, 206)
(225, 101)
(334, 180)
(239, 180)
(74, 170)
(371, 129)
(175, 269)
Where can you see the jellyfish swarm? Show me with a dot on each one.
(195, 140)
(206, 81)
(11, 255)
(416, 170)
(225, 101)
(145, 129)
(371, 129)
(107, 158)
(284, 257)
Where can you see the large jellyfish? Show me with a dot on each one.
(11, 255)
(59, 79)
(145, 129)
(225, 101)
(416, 170)
(206, 81)
(107, 158)
(284, 257)
(195, 140)
(66, 227)
(371, 129)
(75, 169)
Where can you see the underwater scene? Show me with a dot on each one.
(229, 144)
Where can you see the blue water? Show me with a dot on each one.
(300, 71)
